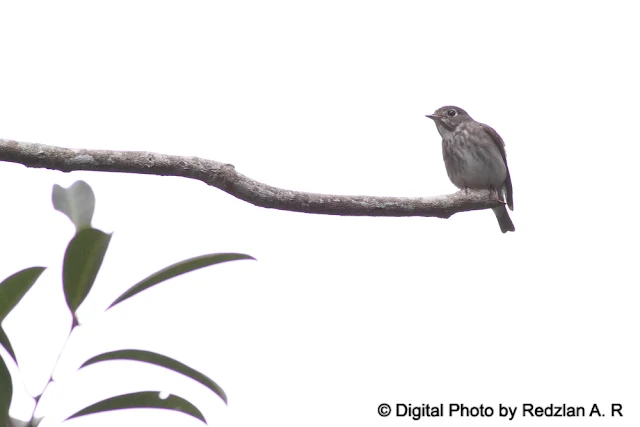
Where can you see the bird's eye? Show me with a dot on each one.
(451, 112)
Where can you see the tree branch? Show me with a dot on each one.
(225, 177)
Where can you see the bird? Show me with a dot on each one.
(475, 158)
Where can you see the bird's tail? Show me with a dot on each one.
(503, 219)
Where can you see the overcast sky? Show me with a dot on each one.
(339, 314)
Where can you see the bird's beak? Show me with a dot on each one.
(433, 117)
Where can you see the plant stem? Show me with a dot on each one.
(55, 366)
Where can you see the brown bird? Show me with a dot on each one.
(475, 158)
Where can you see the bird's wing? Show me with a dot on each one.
(499, 143)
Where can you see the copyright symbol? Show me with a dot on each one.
(384, 410)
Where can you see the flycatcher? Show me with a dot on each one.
(475, 158)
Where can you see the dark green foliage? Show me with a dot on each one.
(12, 289)
(142, 399)
(6, 392)
(82, 261)
(159, 360)
(176, 270)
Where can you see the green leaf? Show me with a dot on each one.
(76, 202)
(4, 340)
(6, 392)
(159, 360)
(82, 261)
(142, 399)
(14, 287)
(177, 269)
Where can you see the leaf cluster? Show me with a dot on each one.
(82, 261)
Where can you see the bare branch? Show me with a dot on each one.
(225, 177)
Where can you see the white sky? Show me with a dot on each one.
(339, 314)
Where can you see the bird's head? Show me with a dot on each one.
(448, 118)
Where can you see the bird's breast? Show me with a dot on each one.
(473, 161)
